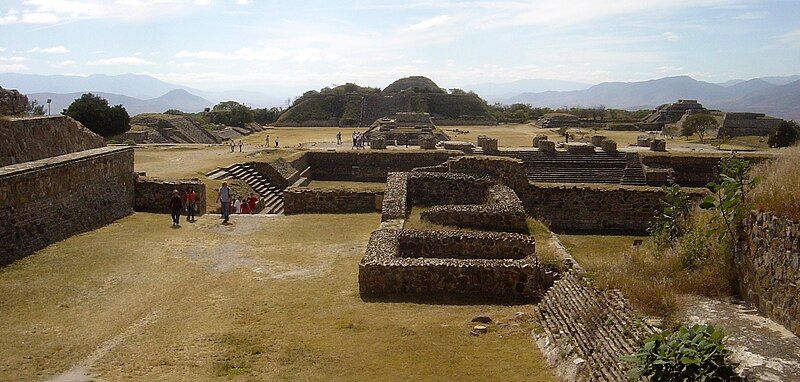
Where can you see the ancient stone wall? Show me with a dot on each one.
(12, 102)
(469, 245)
(153, 194)
(693, 170)
(769, 267)
(595, 207)
(30, 139)
(434, 188)
(307, 200)
(369, 166)
(501, 211)
(483, 273)
(279, 172)
(48, 200)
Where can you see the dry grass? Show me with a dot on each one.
(779, 187)
(267, 298)
(650, 277)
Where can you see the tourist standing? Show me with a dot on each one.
(224, 198)
(339, 138)
(252, 202)
(354, 139)
(233, 145)
(237, 205)
(176, 205)
(277, 143)
(266, 142)
(240, 146)
(191, 204)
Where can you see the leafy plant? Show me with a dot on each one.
(95, 113)
(730, 198)
(670, 223)
(685, 355)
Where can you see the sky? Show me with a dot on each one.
(263, 45)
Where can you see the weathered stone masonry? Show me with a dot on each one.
(769, 267)
(48, 200)
(30, 139)
(153, 194)
(307, 200)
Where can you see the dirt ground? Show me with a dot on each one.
(266, 298)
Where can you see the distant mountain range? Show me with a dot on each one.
(137, 86)
(776, 96)
(176, 99)
(495, 92)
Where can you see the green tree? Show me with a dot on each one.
(231, 113)
(94, 113)
(700, 124)
(34, 108)
(786, 134)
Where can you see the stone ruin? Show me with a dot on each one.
(496, 264)
(12, 102)
(670, 113)
(739, 124)
(406, 128)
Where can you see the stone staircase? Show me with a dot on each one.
(271, 195)
(564, 167)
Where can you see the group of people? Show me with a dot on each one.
(235, 205)
(359, 140)
(234, 144)
(277, 141)
(178, 203)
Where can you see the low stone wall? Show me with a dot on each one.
(370, 166)
(434, 188)
(464, 245)
(44, 201)
(595, 207)
(308, 200)
(385, 272)
(694, 170)
(395, 198)
(153, 194)
(30, 139)
(279, 172)
(769, 267)
(501, 211)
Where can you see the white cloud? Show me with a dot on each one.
(2, 49)
(59, 49)
(13, 59)
(13, 68)
(202, 2)
(55, 11)
(670, 36)
(430, 23)
(125, 60)
(751, 16)
(242, 2)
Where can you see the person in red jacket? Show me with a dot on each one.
(191, 204)
(176, 205)
(252, 202)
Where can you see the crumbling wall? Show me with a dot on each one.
(30, 139)
(694, 170)
(44, 201)
(307, 200)
(153, 194)
(768, 267)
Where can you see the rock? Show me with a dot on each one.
(12, 102)
(482, 319)
(522, 316)
(479, 329)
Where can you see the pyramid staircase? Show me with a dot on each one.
(564, 167)
(271, 195)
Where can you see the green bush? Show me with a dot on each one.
(670, 223)
(129, 142)
(687, 355)
(94, 113)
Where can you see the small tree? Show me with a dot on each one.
(786, 134)
(671, 222)
(34, 108)
(700, 124)
(94, 113)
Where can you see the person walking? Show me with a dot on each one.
(191, 204)
(252, 202)
(224, 198)
(176, 205)
(277, 143)
(339, 138)
(266, 142)
(354, 139)
(240, 146)
(233, 145)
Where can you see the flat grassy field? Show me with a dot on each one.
(266, 298)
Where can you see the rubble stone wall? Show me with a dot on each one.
(30, 139)
(433, 188)
(464, 245)
(501, 211)
(307, 200)
(595, 207)
(693, 171)
(370, 166)
(153, 194)
(769, 267)
(44, 201)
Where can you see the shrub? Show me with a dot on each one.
(669, 224)
(776, 191)
(686, 354)
(94, 113)
(129, 142)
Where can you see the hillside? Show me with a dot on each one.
(175, 99)
(351, 105)
(166, 128)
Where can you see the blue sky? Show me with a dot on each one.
(258, 45)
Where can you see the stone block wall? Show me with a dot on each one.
(370, 166)
(44, 201)
(306, 200)
(153, 194)
(769, 267)
(595, 207)
(464, 245)
(501, 211)
(30, 139)
(694, 170)
(434, 188)
(279, 172)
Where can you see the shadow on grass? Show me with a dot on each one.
(446, 299)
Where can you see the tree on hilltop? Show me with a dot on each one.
(700, 124)
(95, 113)
(231, 113)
